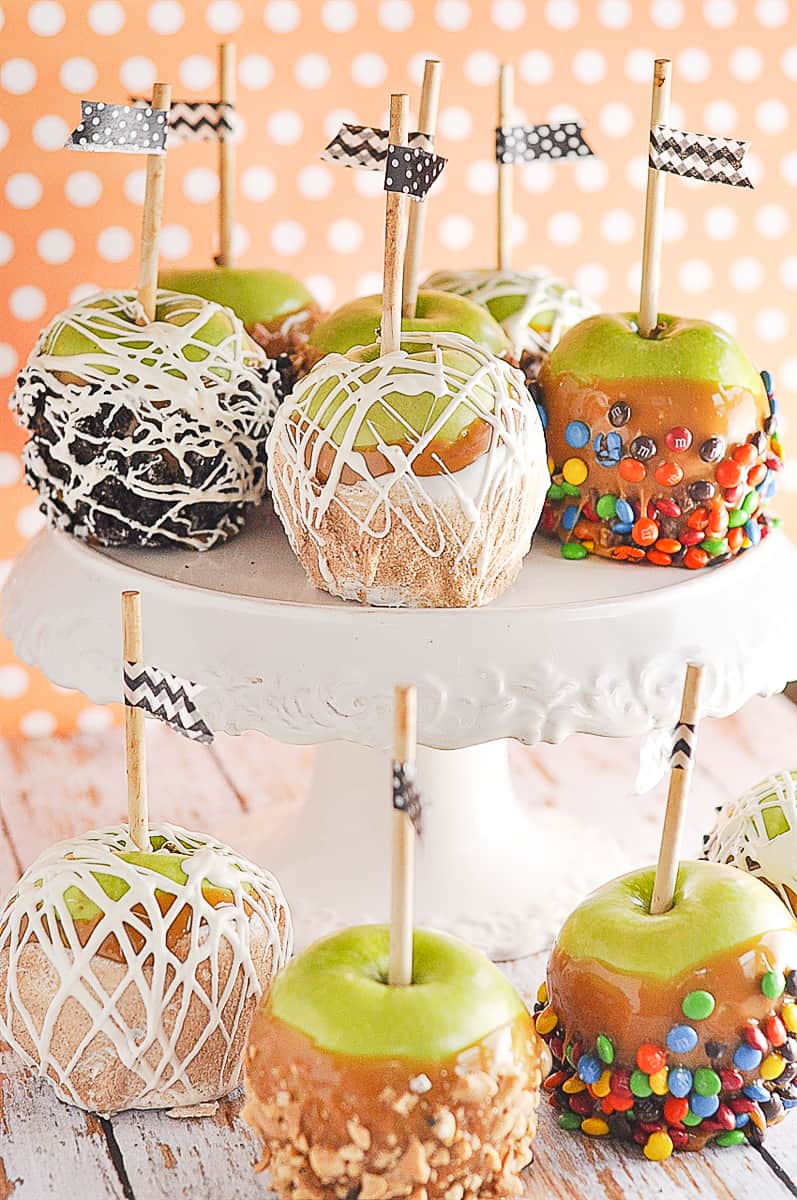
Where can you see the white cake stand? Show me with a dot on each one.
(587, 646)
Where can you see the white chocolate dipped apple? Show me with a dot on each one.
(128, 979)
(412, 479)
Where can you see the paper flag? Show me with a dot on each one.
(122, 128)
(167, 697)
(366, 146)
(525, 143)
(698, 156)
(406, 797)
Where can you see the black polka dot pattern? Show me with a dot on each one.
(125, 128)
(524, 143)
(411, 171)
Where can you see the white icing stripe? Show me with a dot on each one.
(339, 388)
(542, 294)
(758, 833)
(36, 915)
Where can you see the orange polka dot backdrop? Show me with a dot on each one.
(70, 222)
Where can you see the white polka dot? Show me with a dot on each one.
(564, 228)
(788, 62)
(746, 64)
(18, 76)
(315, 181)
(720, 14)
(241, 239)
(772, 221)
(616, 119)
(8, 359)
(200, 185)
(337, 117)
(312, 70)
(396, 15)
(368, 70)
(27, 303)
(288, 237)
(772, 13)
(772, 116)
(6, 248)
(674, 225)
(176, 242)
(10, 469)
(23, 190)
(592, 279)
(508, 14)
(258, 183)
(165, 17)
(562, 14)
(283, 16)
(224, 16)
(590, 174)
(284, 127)
(589, 66)
(456, 231)
(720, 222)
(536, 67)
(720, 117)
(537, 177)
(83, 189)
(106, 17)
(345, 236)
(94, 719)
(29, 521)
(788, 167)
(50, 133)
(82, 292)
(481, 68)
(339, 16)
(614, 14)
(788, 271)
(694, 64)
(38, 723)
(481, 177)
(368, 284)
(135, 185)
(323, 288)
(639, 65)
(78, 75)
(368, 183)
(726, 320)
(46, 18)
(197, 73)
(55, 246)
(115, 243)
(771, 324)
(417, 65)
(636, 172)
(455, 123)
(138, 74)
(14, 681)
(452, 15)
(667, 14)
(694, 275)
(617, 226)
(4, 135)
(746, 274)
(255, 72)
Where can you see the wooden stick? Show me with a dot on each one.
(506, 107)
(224, 258)
(395, 236)
(135, 746)
(680, 779)
(427, 123)
(403, 864)
(153, 213)
(654, 207)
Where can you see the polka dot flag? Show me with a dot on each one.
(69, 223)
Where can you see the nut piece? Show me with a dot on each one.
(413, 1166)
(359, 1134)
(372, 1187)
(444, 1127)
(328, 1164)
(474, 1087)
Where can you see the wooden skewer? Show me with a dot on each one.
(403, 858)
(506, 107)
(654, 206)
(226, 158)
(427, 123)
(135, 746)
(395, 236)
(153, 214)
(680, 780)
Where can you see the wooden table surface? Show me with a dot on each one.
(54, 789)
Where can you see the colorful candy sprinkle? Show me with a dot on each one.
(678, 439)
(773, 985)
(542, 993)
(574, 550)
(669, 474)
(692, 1119)
(680, 1081)
(577, 434)
(682, 1039)
(698, 1005)
(746, 1058)
(659, 1082)
(772, 1066)
(547, 1020)
(730, 1137)
(620, 414)
(594, 1127)
(640, 1084)
(569, 1120)
(675, 1109)
(606, 507)
(703, 1106)
(789, 1015)
(575, 471)
(570, 515)
(631, 470)
(658, 1147)
(589, 1068)
(650, 1058)
(712, 449)
(707, 1082)
(605, 1048)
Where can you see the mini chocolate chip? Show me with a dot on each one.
(701, 489)
(791, 983)
(770, 425)
(620, 414)
(647, 1109)
(772, 1109)
(787, 1075)
(643, 448)
(620, 1126)
(759, 440)
(715, 1049)
(712, 449)
(789, 1050)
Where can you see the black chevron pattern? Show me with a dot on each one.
(366, 146)
(683, 747)
(406, 796)
(198, 120)
(698, 156)
(167, 697)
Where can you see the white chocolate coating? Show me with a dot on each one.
(166, 1026)
(741, 837)
(154, 437)
(542, 295)
(457, 517)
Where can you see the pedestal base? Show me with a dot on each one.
(499, 874)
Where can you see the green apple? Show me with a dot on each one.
(336, 993)
(715, 908)
(609, 346)
(160, 862)
(356, 323)
(257, 297)
(504, 293)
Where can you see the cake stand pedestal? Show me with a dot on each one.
(591, 646)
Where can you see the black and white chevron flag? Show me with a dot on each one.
(683, 747)
(698, 156)
(123, 128)
(525, 143)
(198, 120)
(406, 797)
(167, 697)
(366, 146)
(665, 749)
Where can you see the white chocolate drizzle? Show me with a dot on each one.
(430, 508)
(758, 834)
(160, 1053)
(542, 294)
(151, 435)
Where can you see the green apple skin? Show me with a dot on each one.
(336, 993)
(609, 346)
(716, 908)
(257, 297)
(356, 323)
